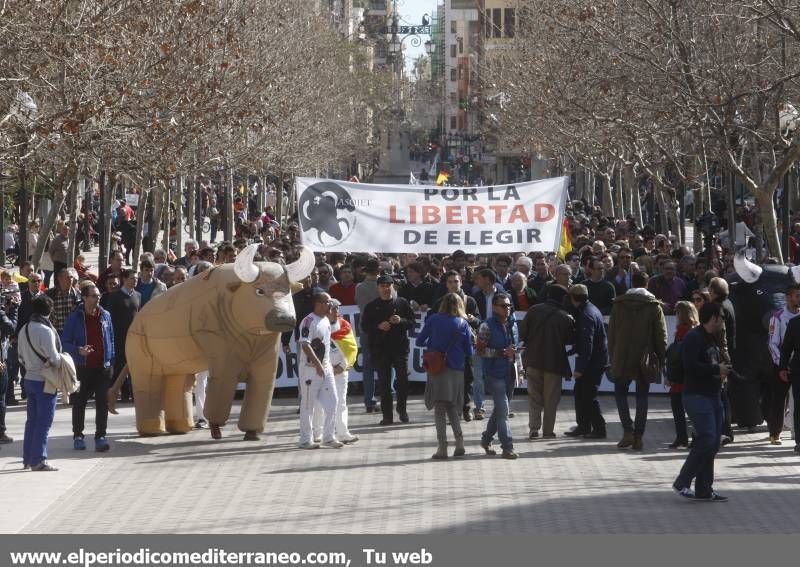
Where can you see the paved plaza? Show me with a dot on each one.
(387, 483)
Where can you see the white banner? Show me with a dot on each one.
(339, 216)
(287, 374)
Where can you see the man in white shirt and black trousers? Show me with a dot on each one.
(316, 375)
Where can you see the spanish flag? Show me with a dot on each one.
(566, 241)
(443, 177)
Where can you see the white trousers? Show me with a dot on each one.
(316, 390)
(200, 383)
(342, 432)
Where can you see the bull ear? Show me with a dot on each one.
(301, 268)
(748, 271)
(244, 268)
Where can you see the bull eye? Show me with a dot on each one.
(260, 291)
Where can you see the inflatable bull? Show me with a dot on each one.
(756, 293)
(227, 320)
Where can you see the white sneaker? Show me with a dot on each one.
(317, 439)
(349, 439)
(309, 445)
(333, 444)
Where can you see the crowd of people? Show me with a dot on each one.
(604, 302)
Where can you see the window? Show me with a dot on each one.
(453, 75)
(453, 98)
(453, 50)
(497, 22)
(453, 27)
(452, 122)
(461, 45)
(511, 20)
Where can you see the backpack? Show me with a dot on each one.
(674, 357)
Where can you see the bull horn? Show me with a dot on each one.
(301, 268)
(748, 271)
(244, 268)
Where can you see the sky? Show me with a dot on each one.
(411, 12)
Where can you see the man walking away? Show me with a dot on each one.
(637, 328)
(703, 375)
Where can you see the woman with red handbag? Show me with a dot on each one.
(448, 340)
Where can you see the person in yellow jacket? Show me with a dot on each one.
(344, 350)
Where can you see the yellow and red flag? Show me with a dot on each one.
(566, 241)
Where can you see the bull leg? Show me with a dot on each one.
(258, 394)
(220, 391)
(178, 402)
(147, 388)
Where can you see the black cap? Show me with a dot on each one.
(385, 279)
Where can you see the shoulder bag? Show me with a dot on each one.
(435, 362)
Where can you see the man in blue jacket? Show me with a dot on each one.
(89, 337)
(498, 339)
(591, 347)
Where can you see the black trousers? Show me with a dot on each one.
(384, 362)
(727, 430)
(587, 408)
(467, 382)
(679, 416)
(93, 381)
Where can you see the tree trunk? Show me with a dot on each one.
(770, 222)
(637, 202)
(180, 185)
(140, 215)
(47, 223)
(608, 197)
(590, 189)
(619, 200)
(279, 199)
(580, 182)
(191, 205)
(76, 190)
(228, 228)
(104, 220)
(166, 199)
(198, 210)
(157, 194)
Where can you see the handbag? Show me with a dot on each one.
(649, 367)
(435, 362)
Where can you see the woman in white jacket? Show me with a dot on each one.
(39, 347)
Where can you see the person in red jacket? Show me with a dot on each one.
(687, 320)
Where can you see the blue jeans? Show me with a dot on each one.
(367, 373)
(498, 422)
(41, 410)
(478, 390)
(621, 395)
(706, 415)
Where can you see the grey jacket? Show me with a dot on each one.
(47, 343)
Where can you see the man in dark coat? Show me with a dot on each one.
(546, 331)
(387, 320)
(591, 347)
(122, 305)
